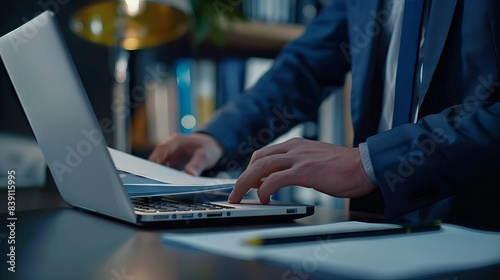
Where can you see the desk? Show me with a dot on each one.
(66, 243)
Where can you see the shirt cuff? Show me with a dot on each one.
(367, 162)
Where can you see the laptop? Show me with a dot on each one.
(61, 117)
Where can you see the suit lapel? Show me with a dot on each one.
(363, 18)
(439, 24)
(367, 18)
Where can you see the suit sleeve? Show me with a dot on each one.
(420, 164)
(290, 92)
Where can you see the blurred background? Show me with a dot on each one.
(164, 68)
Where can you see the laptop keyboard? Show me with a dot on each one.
(163, 204)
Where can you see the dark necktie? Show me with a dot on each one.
(407, 61)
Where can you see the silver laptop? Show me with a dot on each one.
(60, 115)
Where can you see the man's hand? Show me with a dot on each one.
(191, 153)
(330, 169)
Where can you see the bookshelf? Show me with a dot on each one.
(243, 39)
(264, 27)
(255, 38)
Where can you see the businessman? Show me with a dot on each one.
(425, 103)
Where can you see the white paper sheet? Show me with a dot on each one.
(137, 186)
(138, 166)
(404, 256)
(170, 190)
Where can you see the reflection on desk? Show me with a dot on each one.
(66, 243)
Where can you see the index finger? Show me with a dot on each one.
(254, 174)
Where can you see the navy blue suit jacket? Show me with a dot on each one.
(450, 156)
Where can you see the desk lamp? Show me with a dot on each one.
(124, 26)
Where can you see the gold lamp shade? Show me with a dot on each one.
(131, 24)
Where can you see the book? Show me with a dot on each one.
(162, 108)
(283, 11)
(230, 79)
(205, 88)
(187, 107)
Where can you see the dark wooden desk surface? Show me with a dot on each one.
(54, 241)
